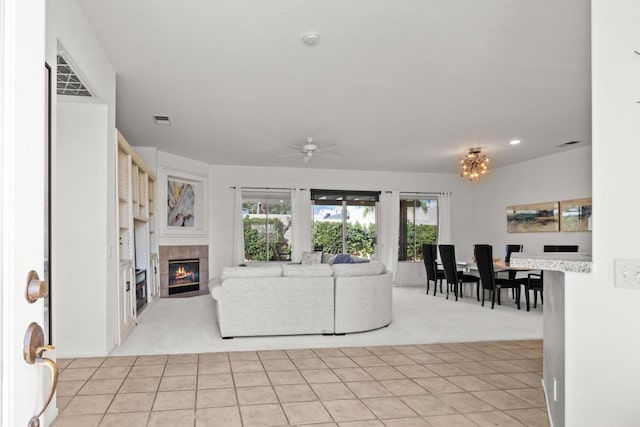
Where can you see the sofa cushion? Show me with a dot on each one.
(309, 258)
(360, 269)
(262, 271)
(315, 270)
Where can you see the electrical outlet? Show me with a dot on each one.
(627, 273)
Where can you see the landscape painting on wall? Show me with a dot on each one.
(535, 217)
(180, 204)
(576, 214)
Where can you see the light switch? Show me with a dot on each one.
(627, 273)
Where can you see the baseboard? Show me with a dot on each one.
(546, 400)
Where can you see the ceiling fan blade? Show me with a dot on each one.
(288, 155)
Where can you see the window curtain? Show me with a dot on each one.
(238, 228)
(444, 218)
(389, 229)
(302, 230)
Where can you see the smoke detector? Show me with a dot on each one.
(311, 38)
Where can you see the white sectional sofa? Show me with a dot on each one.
(362, 297)
(302, 299)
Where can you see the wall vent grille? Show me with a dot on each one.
(161, 119)
(68, 81)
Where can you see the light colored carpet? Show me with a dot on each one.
(188, 325)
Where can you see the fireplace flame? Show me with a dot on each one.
(182, 273)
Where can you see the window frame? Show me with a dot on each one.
(403, 243)
(271, 197)
(345, 198)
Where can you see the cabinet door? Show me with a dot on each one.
(154, 281)
(126, 301)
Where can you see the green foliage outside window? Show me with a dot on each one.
(255, 238)
(360, 238)
(423, 234)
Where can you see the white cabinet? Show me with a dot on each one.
(126, 298)
(154, 276)
(139, 282)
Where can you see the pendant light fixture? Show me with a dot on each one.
(474, 165)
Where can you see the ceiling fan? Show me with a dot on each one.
(311, 149)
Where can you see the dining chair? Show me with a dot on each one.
(560, 248)
(511, 274)
(434, 275)
(454, 277)
(509, 249)
(484, 260)
(535, 281)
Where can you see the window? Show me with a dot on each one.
(267, 226)
(345, 221)
(418, 225)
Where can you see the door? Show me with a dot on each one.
(22, 201)
(126, 300)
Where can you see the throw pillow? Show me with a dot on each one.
(311, 257)
(343, 259)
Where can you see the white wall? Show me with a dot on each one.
(562, 176)
(81, 166)
(79, 251)
(149, 156)
(602, 321)
(223, 177)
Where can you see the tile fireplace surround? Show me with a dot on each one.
(200, 252)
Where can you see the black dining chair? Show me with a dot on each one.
(509, 249)
(434, 275)
(454, 277)
(535, 281)
(560, 248)
(484, 260)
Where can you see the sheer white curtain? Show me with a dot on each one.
(238, 228)
(389, 229)
(444, 218)
(302, 232)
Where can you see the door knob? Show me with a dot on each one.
(36, 288)
(34, 347)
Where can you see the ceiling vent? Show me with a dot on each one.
(567, 144)
(161, 120)
(68, 81)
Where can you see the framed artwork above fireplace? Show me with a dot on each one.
(182, 203)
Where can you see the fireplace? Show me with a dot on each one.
(183, 253)
(184, 275)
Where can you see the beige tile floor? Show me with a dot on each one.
(441, 385)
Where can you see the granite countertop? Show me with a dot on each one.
(576, 262)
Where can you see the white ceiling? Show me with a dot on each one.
(406, 85)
